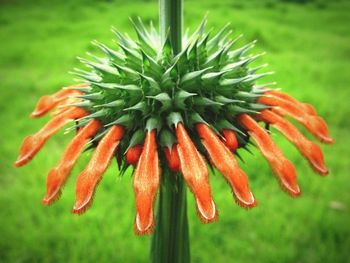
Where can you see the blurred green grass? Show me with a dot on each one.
(308, 46)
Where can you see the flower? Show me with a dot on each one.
(155, 110)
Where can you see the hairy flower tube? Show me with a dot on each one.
(155, 110)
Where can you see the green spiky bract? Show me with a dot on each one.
(142, 85)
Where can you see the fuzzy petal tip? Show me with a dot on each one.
(144, 226)
(246, 201)
(81, 206)
(30, 147)
(207, 211)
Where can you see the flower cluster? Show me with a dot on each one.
(156, 110)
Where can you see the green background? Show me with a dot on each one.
(307, 44)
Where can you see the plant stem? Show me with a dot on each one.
(171, 20)
(170, 243)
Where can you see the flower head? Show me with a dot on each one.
(155, 110)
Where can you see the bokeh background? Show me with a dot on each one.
(308, 46)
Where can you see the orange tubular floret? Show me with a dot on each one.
(146, 184)
(33, 143)
(91, 175)
(314, 124)
(48, 102)
(230, 139)
(225, 162)
(281, 167)
(64, 105)
(307, 107)
(195, 172)
(310, 150)
(58, 175)
(133, 154)
(172, 158)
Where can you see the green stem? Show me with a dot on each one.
(171, 20)
(170, 243)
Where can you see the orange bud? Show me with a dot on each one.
(133, 154)
(230, 139)
(172, 158)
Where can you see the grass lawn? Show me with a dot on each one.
(308, 46)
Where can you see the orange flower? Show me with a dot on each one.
(307, 107)
(195, 172)
(88, 179)
(314, 124)
(310, 150)
(282, 168)
(47, 103)
(58, 175)
(33, 143)
(225, 162)
(146, 184)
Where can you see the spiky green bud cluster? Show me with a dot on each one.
(142, 83)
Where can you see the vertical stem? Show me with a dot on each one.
(171, 20)
(170, 243)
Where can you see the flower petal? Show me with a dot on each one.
(88, 179)
(225, 162)
(230, 139)
(64, 105)
(172, 158)
(133, 154)
(59, 174)
(310, 150)
(307, 107)
(48, 102)
(195, 172)
(33, 143)
(44, 105)
(146, 184)
(314, 124)
(280, 165)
